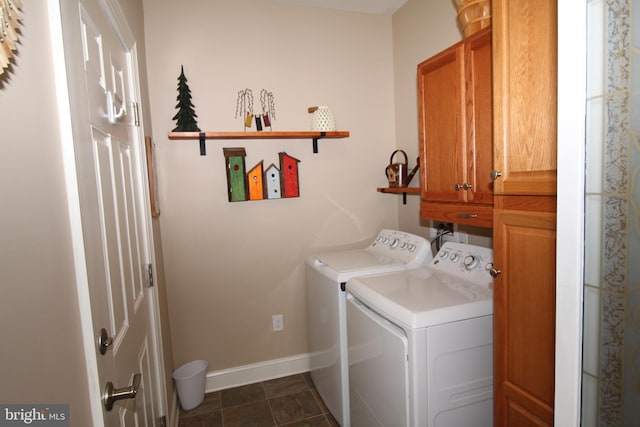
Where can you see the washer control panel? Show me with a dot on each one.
(469, 262)
(399, 246)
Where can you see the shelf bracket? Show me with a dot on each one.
(315, 141)
(404, 198)
(203, 147)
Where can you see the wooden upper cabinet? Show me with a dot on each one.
(455, 125)
(525, 96)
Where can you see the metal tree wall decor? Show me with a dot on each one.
(244, 109)
(10, 22)
(186, 115)
(268, 108)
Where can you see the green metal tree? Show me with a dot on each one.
(186, 115)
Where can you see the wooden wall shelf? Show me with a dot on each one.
(400, 190)
(202, 136)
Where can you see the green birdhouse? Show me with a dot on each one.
(236, 175)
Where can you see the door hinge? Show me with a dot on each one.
(136, 116)
(149, 274)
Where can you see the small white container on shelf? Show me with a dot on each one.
(322, 119)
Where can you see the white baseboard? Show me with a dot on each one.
(257, 372)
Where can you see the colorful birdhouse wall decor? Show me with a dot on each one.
(259, 183)
(272, 181)
(236, 176)
(254, 179)
(289, 175)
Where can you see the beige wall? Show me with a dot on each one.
(421, 28)
(41, 352)
(230, 266)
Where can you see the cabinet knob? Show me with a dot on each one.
(494, 272)
(495, 174)
(465, 186)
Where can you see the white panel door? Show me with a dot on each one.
(108, 145)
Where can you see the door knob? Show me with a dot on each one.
(111, 394)
(494, 174)
(104, 341)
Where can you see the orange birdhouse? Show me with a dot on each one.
(254, 179)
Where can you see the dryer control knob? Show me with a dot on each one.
(454, 257)
(394, 243)
(470, 262)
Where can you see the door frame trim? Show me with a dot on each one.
(572, 37)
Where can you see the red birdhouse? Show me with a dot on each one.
(289, 182)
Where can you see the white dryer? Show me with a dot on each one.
(420, 343)
(327, 275)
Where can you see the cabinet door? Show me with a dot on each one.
(441, 110)
(524, 310)
(525, 96)
(479, 120)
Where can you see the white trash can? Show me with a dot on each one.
(190, 383)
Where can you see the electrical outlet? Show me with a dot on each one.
(277, 320)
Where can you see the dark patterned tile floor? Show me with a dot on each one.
(288, 402)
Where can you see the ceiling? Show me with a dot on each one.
(378, 7)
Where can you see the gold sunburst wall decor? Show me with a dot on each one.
(10, 22)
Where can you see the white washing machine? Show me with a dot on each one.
(327, 275)
(420, 343)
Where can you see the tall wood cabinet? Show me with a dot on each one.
(524, 242)
(524, 224)
(455, 126)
